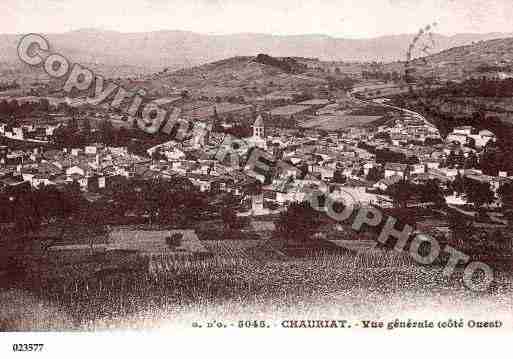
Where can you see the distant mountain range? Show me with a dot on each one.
(154, 51)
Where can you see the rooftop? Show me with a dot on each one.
(395, 166)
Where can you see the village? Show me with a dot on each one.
(365, 160)
(91, 206)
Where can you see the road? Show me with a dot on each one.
(404, 110)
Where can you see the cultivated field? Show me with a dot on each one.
(251, 280)
(339, 121)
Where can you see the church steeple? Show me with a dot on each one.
(215, 120)
(259, 128)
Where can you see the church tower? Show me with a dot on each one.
(259, 128)
(215, 123)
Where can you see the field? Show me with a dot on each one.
(251, 280)
(339, 121)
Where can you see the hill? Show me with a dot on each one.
(117, 54)
(233, 77)
(460, 63)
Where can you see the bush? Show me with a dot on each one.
(175, 240)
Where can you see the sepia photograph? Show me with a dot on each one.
(229, 166)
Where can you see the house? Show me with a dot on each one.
(325, 172)
(204, 182)
(257, 203)
(82, 169)
(432, 164)
(417, 168)
(28, 173)
(367, 166)
(80, 179)
(396, 169)
(96, 183)
(49, 169)
(398, 139)
(463, 130)
(449, 172)
(460, 138)
(385, 183)
(291, 194)
(90, 150)
(75, 151)
(14, 182)
(483, 137)
(15, 158)
(439, 175)
(40, 179)
(494, 182)
(5, 172)
(76, 170)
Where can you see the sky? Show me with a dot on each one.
(337, 18)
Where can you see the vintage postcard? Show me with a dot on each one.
(222, 167)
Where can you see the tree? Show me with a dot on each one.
(471, 161)
(460, 159)
(73, 125)
(44, 105)
(492, 159)
(479, 193)
(460, 226)
(451, 159)
(299, 222)
(505, 193)
(61, 137)
(174, 240)
(4, 109)
(253, 188)
(229, 217)
(458, 185)
(401, 192)
(431, 192)
(338, 176)
(395, 76)
(14, 108)
(216, 123)
(154, 196)
(375, 174)
(86, 129)
(51, 202)
(124, 196)
(185, 94)
(107, 132)
(26, 216)
(157, 155)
